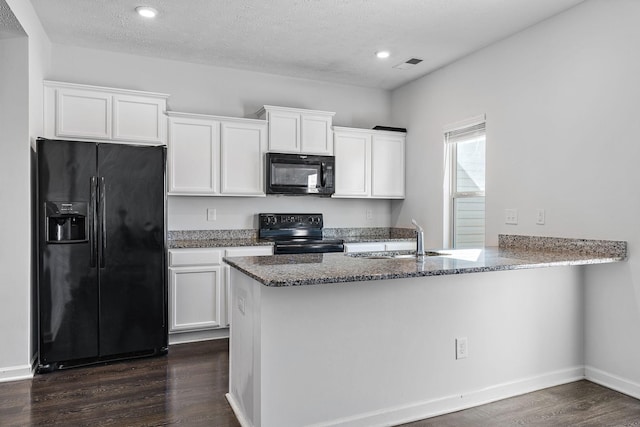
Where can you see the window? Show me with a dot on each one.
(465, 184)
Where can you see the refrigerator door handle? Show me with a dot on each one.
(103, 222)
(93, 221)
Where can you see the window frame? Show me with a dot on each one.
(450, 192)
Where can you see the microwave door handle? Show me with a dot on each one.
(323, 175)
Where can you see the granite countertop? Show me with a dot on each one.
(215, 243)
(513, 253)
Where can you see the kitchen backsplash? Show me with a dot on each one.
(354, 233)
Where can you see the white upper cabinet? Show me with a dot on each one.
(139, 118)
(294, 130)
(317, 136)
(242, 148)
(369, 163)
(284, 131)
(216, 156)
(74, 111)
(387, 165)
(194, 155)
(353, 163)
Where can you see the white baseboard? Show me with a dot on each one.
(237, 411)
(612, 381)
(15, 373)
(195, 336)
(448, 404)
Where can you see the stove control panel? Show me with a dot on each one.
(270, 221)
(279, 227)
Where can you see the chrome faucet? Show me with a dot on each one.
(419, 239)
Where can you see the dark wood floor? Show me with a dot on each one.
(187, 387)
(581, 403)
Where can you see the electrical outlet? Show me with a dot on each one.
(511, 216)
(241, 305)
(540, 216)
(462, 348)
(369, 214)
(211, 214)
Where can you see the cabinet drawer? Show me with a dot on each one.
(400, 246)
(185, 257)
(364, 247)
(250, 251)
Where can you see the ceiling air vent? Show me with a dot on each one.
(409, 63)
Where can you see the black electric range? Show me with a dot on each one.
(296, 233)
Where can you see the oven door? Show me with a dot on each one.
(300, 174)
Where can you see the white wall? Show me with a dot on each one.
(15, 251)
(23, 62)
(221, 91)
(561, 100)
(190, 213)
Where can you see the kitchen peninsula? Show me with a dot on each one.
(370, 339)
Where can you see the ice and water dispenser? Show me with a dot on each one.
(66, 222)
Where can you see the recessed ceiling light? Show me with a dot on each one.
(147, 12)
(382, 54)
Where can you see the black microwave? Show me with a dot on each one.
(300, 174)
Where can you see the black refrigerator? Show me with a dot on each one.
(102, 273)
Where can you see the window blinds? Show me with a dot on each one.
(465, 134)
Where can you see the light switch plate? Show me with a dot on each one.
(368, 214)
(462, 349)
(511, 216)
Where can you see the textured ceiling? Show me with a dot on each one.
(329, 40)
(9, 25)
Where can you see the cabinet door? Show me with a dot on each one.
(387, 166)
(82, 114)
(194, 156)
(242, 149)
(316, 135)
(195, 298)
(284, 131)
(140, 119)
(353, 173)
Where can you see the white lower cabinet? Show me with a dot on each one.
(195, 289)
(199, 284)
(195, 298)
(400, 246)
(364, 247)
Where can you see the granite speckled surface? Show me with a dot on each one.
(369, 234)
(214, 239)
(249, 237)
(215, 243)
(585, 246)
(313, 269)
